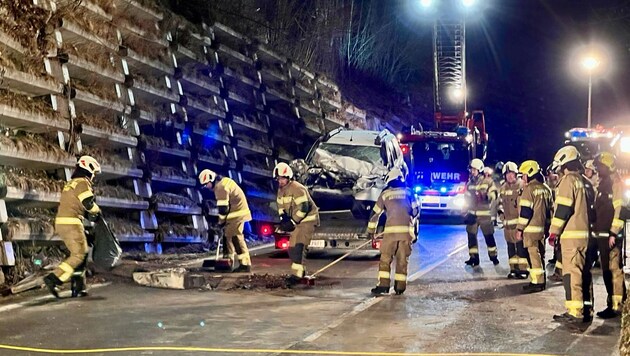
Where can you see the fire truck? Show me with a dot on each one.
(438, 160)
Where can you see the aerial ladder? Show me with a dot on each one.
(449, 83)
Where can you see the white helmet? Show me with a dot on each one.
(510, 167)
(90, 164)
(590, 164)
(565, 155)
(477, 164)
(207, 176)
(282, 170)
(394, 174)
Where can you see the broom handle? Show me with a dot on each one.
(342, 257)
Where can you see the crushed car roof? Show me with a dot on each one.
(355, 137)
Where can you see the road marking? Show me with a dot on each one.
(48, 296)
(372, 301)
(433, 266)
(244, 351)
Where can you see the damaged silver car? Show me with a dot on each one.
(345, 173)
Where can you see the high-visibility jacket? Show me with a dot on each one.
(295, 201)
(77, 198)
(608, 205)
(401, 208)
(482, 192)
(571, 209)
(231, 202)
(509, 194)
(535, 210)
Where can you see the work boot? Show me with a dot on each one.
(292, 280)
(534, 288)
(472, 261)
(556, 277)
(522, 275)
(78, 287)
(608, 313)
(380, 290)
(52, 283)
(495, 260)
(568, 319)
(243, 269)
(399, 291)
(513, 274)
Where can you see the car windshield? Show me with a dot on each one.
(371, 154)
(429, 155)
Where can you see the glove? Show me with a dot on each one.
(552, 239)
(519, 235)
(287, 225)
(470, 219)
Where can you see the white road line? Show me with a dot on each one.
(366, 304)
(433, 266)
(14, 306)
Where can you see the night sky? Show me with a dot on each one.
(519, 72)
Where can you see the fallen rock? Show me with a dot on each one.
(173, 278)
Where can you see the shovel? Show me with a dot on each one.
(310, 280)
(219, 264)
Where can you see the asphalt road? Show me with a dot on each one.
(447, 309)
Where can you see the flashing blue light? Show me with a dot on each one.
(417, 188)
(579, 133)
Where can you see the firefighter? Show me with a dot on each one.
(298, 215)
(233, 214)
(590, 172)
(607, 226)
(571, 223)
(482, 193)
(401, 209)
(509, 193)
(494, 206)
(533, 222)
(553, 176)
(77, 200)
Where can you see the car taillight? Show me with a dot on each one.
(282, 242)
(404, 148)
(266, 230)
(376, 244)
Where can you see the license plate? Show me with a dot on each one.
(431, 200)
(317, 243)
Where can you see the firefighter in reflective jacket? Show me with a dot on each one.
(571, 223)
(509, 193)
(298, 215)
(607, 226)
(481, 192)
(533, 222)
(400, 206)
(77, 199)
(233, 214)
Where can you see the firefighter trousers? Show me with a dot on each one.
(235, 242)
(612, 271)
(536, 258)
(488, 233)
(557, 254)
(298, 242)
(577, 278)
(73, 236)
(517, 254)
(394, 250)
